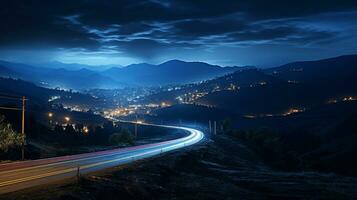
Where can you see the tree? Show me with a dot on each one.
(79, 127)
(8, 137)
(123, 137)
(70, 129)
(58, 128)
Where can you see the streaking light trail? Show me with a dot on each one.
(20, 175)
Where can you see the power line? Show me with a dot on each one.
(9, 108)
(7, 96)
(12, 97)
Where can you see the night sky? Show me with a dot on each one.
(239, 32)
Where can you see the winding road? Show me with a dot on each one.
(20, 175)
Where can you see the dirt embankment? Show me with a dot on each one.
(221, 168)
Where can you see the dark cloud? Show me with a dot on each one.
(133, 28)
(144, 48)
(206, 27)
(264, 34)
(30, 24)
(148, 48)
(146, 28)
(283, 34)
(263, 9)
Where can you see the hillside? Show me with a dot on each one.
(39, 96)
(242, 78)
(299, 85)
(331, 69)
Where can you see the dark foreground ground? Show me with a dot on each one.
(220, 168)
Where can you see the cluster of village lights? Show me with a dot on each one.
(67, 120)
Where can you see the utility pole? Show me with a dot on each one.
(136, 127)
(136, 130)
(23, 129)
(78, 174)
(22, 109)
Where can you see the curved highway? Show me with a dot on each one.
(20, 175)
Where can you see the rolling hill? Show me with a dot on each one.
(39, 96)
(302, 85)
(331, 69)
(246, 77)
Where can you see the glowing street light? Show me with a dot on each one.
(85, 130)
(50, 115)
(67, 119)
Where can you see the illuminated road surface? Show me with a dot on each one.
(20, 175)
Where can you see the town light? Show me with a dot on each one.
(85, 130)
(50, 114)
(67, 119)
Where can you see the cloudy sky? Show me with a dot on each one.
(238, 32)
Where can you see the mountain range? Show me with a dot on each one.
(273, 91)
(76, 76)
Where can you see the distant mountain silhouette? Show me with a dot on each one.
(4, 71)
(76, 66)
(49, 77)
(339, 71)
(168, 73)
